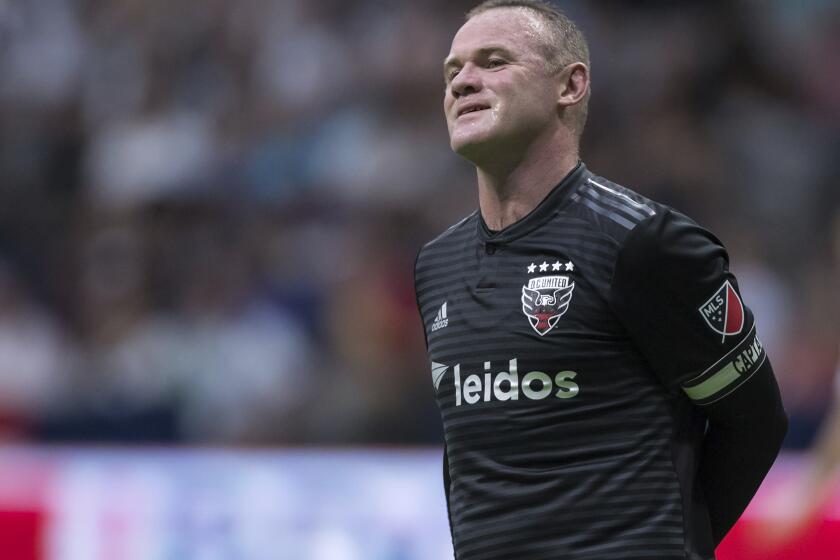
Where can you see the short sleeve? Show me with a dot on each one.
(673, 291)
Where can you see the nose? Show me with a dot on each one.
(467, 81)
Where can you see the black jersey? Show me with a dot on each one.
(572, 354)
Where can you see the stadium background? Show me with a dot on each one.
(209, 212)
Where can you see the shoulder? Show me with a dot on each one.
(608, 209)
(669, 241)
(635, 223)
(669, 253)
(453, 237)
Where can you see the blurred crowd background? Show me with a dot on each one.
(209, 210)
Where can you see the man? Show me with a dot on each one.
(602, 389)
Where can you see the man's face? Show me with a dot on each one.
(500, 94)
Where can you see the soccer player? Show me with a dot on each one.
(603, 391)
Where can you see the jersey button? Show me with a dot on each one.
(489, 248)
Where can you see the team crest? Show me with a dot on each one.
(545, 299)
(724, 312)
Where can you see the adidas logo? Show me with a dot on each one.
(440, 319)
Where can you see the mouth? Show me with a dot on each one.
(471, 109)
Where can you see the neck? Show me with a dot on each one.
(506, 194)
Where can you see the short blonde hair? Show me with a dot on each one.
(565, 43)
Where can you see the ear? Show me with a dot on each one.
(573, 84)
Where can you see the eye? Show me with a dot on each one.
(495, 63)
(451, 75)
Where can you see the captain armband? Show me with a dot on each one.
(728, 373)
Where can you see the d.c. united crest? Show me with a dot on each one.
(545, 299)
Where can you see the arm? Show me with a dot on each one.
(447, 481)
(445, 463)
(682, 307)
(745, 433)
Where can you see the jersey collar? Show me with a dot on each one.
(539, 215)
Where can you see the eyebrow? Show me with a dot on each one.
(452, 60)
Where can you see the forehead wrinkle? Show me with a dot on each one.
(530, 27)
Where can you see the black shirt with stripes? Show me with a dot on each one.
(572, 354)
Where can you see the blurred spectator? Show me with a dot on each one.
(32, 357)
(208, 222)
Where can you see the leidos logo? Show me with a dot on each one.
(507, 385)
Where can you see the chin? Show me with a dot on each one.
(465, 144)
(468, 150)
(476, 148)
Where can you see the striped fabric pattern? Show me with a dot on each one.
(562, 444)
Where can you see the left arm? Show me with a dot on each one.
(744, 436)
(673, 289)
